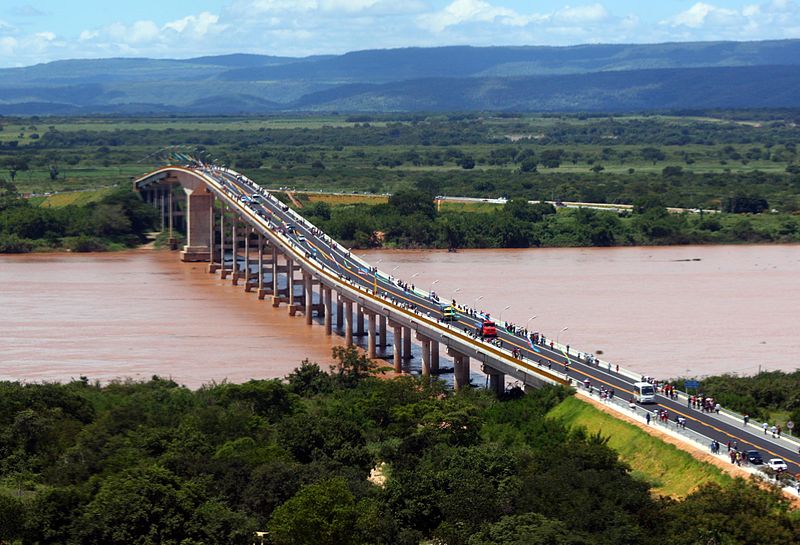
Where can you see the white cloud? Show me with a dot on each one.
(466, 11)
(7, 45)
(701, 14)
(591, 13)
(196, 25)
(45, 36)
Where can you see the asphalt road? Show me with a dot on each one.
(338, 260)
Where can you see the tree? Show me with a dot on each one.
(15, 164)
(527, 529)
(324, 513)
(743, 203)
(653, 154)
(153, 505)
(410, 202)
(740, 513)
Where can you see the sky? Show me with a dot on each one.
(39, 31)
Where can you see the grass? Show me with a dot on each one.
(76, 198)
(671, 471)
(335, 200)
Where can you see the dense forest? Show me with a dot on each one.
(339, 458)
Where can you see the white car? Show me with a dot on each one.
(778, 465)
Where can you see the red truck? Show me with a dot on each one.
(487, 330)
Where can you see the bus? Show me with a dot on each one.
(449, 314)
(644, 392)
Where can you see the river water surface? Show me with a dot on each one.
(660, 311)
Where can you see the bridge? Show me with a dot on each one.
(248, 235)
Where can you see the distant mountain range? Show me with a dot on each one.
(577, 78)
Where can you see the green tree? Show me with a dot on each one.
(323, 513)
(527, 529)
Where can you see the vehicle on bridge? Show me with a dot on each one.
(449, 314)
(754, 457)
(644, 392)
(777, 465)
(487, 330)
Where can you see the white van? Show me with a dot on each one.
(644, 392)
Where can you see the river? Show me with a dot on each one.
(662, 311)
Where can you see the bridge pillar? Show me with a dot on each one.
(327, 300)
(198, 225)
(290, 283)
(276, 299)
(163, 210)
(382, 331)
(246, 274)
(359, 321)
(223, 270)
(434, 357)
(348, 322)
(339, 312)
(262, 289)
(235, 252)
(497, 381)
(213, 265)
(407, 344)
(461, 369)
(426, 357)
(371, 336)
(309, 296)
(397, 342)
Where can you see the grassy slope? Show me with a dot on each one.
(671, 471)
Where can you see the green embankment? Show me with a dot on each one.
(671, 471)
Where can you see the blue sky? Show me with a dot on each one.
(45, 30)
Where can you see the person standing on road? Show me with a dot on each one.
(765, 426)
(647, 417)
(746, 419)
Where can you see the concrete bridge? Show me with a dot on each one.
(252, 238)
(249, 236)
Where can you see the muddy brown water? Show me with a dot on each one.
(661, 311)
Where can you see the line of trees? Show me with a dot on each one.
(410, 219)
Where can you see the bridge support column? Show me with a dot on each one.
(276, 293)
(339, 312)
(215, 263)
(397, 347)
(290, 283)
(262, 289)
(461, 369)
(163, 210)
(309, 297)
(246, 274)
(434, 354)
(383, 341)
(223, 270)
(348, 322)
(371, 332)
(359, 321)
(198, 225)
(406, 343)
(235, 252)
(327, 299)
(497, 382)
(426, 356)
